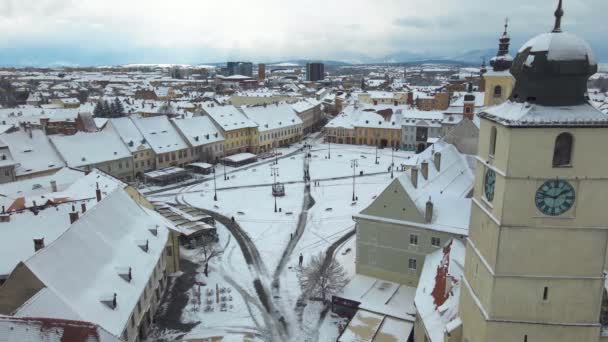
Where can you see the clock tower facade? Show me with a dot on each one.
(535, 257)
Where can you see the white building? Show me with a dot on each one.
(203, 137)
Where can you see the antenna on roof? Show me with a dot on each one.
(559, 13)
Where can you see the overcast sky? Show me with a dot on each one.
(195, 31)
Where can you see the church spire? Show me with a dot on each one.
(503, 60)
(559, 13)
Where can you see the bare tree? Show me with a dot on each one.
(209, 249)
(322, 278)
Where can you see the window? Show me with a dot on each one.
(562, 154)
(492, 141)
(169, 251)
(132, 321)
(525, 338)
(498, 91)
(413, 239)
(412, 264)
(545, 293)
(435, 241)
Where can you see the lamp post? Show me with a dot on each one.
(354, 164)
(214, 186)
(328, 147)
(392, 160)
(274, 171)
(377, 155)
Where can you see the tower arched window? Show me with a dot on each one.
(562, 153)
(492, 141)
(497, 91)
(467, 110)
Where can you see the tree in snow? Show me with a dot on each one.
(98, 111)
(107, 110)
(118, 108)
(319, 280)
(209, 249)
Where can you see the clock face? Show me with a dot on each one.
(488, 186)
(554, 197)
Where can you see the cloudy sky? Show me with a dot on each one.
(196, 31)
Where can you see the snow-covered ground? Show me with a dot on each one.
(247, 197)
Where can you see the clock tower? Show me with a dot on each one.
(538, 234)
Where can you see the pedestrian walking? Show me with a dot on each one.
(301, 259)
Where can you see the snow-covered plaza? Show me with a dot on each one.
(256, 272)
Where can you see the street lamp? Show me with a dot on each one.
(392, 160)
(354, 164)
(328, 147)
(377, 155)
(214, 186)
(274, 171)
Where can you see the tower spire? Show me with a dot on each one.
(506, 26)
(559, 13)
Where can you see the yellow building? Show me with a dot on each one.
(240, 133)
(535, 256)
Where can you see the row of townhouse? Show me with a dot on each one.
(126, 148)
(399, 126)
(260, 128)
(130, 250)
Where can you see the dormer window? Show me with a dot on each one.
(562, 153)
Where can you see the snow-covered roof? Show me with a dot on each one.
(83, 149)
(448, 188)
(438, 294)
(561, 46)
(109, 235)
(39, 329)
(228, 117)
(304, 105)
(160, 134)
(383, 297)
(199, 130)
(274, 116)
(40, 185)
(526, 114)
(27, 223)
(368, 326)
(240, 157)
(129, 134)
(33, 155)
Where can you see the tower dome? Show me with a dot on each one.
(552, 69)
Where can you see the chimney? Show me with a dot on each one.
(114, 303)
(3, 210)
(424, 169)
(437, 160)
(73, 215)
(54, 186)
(83, 207)
(38, 244)
(428, 214)
(98, 192)
(414, 176)
(130, 275)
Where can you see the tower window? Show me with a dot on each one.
(525, 338)
(492, 141)
(562, 154)
(498, 91)
(545, 293)
(412, 264)
(467, 110)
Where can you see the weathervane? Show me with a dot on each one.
(559, 13)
